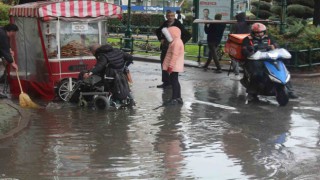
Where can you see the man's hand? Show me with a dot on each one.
(11, 52)
(162, 41)
(169, 70)
(271, 47)
(15, 66)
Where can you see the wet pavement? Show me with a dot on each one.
(213, 135)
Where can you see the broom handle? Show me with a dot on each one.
(18, 77)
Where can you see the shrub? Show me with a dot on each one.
(262, 5)
(4, 13)
(300, 11)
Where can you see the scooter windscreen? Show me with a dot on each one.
(280, 53)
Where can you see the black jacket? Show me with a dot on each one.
(214, 32)
(252, 44)
(241, 27)
(185, 35)
(107, 56)
(5, 46)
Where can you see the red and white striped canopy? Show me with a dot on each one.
(66, 9)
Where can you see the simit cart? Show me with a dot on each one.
(52, 44)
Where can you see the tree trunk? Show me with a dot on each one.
(316, 13)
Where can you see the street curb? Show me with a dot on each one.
(190, 63)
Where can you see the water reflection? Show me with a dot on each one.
(256, 140)
(169, 141)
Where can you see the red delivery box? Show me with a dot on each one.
(234, 46)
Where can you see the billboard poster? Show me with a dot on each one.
(207, 11)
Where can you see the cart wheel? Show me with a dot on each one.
(102, 102)
(64, 89)
(83, 103)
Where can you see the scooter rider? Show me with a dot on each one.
(258, 40)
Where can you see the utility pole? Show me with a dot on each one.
(231, 10)
(283, 16)
(195, 14)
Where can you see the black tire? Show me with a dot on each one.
(83, 103)
(63, 90)
(101, 102)
(282, 95)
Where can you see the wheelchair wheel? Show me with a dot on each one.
(101, 102)
(83, 103)
(65, 88)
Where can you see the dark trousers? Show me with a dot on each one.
(213, 55)
(165, 75)
(176, 88)
(255, 70)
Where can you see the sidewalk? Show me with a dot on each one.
(190, 63)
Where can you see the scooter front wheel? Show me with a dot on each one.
(282, 95)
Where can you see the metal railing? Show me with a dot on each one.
(146, 46)
(306, 58)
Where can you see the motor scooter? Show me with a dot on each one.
(275, 75)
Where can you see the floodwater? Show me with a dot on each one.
(213, 135)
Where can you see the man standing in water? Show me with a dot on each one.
(185, 37)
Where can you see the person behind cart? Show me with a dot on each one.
(214, 35)
(111, 62)
(258, 40)
(180, 16)
(7, 32)
(241, 27)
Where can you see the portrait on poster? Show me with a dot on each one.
(207, 11)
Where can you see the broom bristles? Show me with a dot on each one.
(25, 101)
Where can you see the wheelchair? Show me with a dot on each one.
(96, 92)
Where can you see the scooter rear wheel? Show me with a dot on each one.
(282, 95)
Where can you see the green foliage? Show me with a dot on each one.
(262, 5)
(275, 9)
(145, 22)
(300, 11)
(298, 36)
(263, 14)
(294, 30)
(309, 3)
(4, 12)
(312, 35)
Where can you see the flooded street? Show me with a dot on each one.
(213, 135)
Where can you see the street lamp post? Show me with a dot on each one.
(128, 32)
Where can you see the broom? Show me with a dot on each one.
(24, 99)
